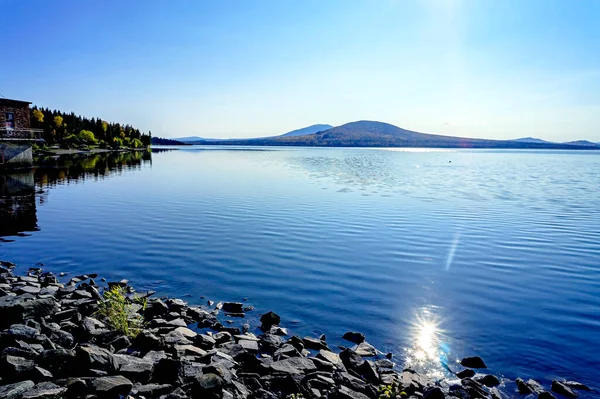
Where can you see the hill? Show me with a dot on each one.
(307, 130)
(379, 134)
(584, 143)
(531, 140)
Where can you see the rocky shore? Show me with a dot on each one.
(94, 339)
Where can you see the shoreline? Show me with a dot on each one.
(68, 340)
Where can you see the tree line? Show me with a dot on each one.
(68, 129)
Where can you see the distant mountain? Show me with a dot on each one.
(162, 141)
(306, 130)
(531, 140)
(379, 134)
(190, 139)
(584, 143)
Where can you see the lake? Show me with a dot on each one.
(432, 254)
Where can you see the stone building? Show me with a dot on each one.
(16, 134)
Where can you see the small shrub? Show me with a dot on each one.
(120, 313)
(388, 391)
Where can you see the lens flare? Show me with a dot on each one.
(427, 353)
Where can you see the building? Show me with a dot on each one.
(16, 134)
(15, 122)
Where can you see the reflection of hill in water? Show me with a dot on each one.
(21, 191)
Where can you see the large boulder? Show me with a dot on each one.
(474, 362)
(16, 390)
(563, 389)
(45, 390)
(111, 387)
(354, 337)
(94, 357)
(208, 386)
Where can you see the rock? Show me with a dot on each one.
(153, 390)
(474, 362)
(474, 388)
(16, 366)
(94, 357)
(314, 343)
(546, 395)
(40, 374)
(270, 343)
(331, 357)
(222, 337)
(190, 350)
(233, 307)
(278, 330)
(45, 390)
(208, 386)
(293, 365)
(176, 305)
(111, 386)
(269, 319)
(346, 393)
(522, 387)
(15, 391)
(365, 349)
(563, 389)
(488, 380)
(250, 346)
(134, 368)
(384, 364)
(577, 385)
(433, 393)
(60, 362)
(354, 337)
(351, 359)
(466, 373)
(16, 309)
(145, 340)
(204, 341)
(535, 386)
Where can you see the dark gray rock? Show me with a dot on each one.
(222, 337)
(45, 390)
(365, 349)
(16, 390)
(14, 310)
(523, 387)
(563, 389)
(354, 337)
(111, 386)
(475, 389)
(152, 391)
(145, 340)
(134, 368)
(546, 395)
(331, 357)
(269, 319)
(433, 393)
(351, 360)
(38, 374)
(270, 343)
(94, 357)
(474, 362)
(314, 343)
(208, 386)
(577, 385)
(15, 366)
(204, 341)
(466, 373)
(488, 380)
(294, 365)
(60, 362)
(233, 307)
(535, 386)
(250, 346)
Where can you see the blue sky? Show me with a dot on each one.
(480, 68)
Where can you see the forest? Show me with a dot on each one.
(69, 130)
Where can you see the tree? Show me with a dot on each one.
(38, 116)
(87, 137)
(58, 120)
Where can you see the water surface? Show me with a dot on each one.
(430, 253)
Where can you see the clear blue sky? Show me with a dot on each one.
(480, 68)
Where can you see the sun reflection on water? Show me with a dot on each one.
(428, 352)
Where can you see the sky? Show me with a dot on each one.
(479, 68)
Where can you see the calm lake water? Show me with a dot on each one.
(431, 253)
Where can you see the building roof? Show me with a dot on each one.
(7, 102)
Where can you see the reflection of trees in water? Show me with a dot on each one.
(18, 192)
(57, 170)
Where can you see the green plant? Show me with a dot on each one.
(389, 391)
(295, 396)
(121, 313)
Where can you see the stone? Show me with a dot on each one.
(365, 349)
(269, 319)
(134, 368)
(222, 337)
(111, 386)
(270, 343)
(563, 389)
(488, 380)
(145, 340)
(535, 386)
(15, 391)
(40, 374)
(293, 365)
(204, 341)
(354, 337)
(331, 357)
(45, 390)
(433, 393)
(577, 385)
(250, 346)
(233, 307)
(208, 386)
(474, 362)
(94, 357)
(466, 373)
(190, 350)
(522, 387)
(384, 364)
(474, 388)
(176, 304)
(314, 343)
(60, 362)
(546, 395)
(351, 359)
(153, 390)
(16, 365)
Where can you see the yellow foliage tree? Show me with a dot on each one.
(58, 120)
(38, 115)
